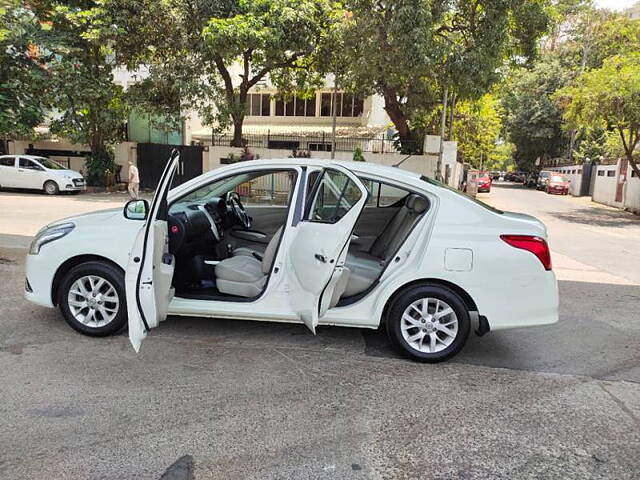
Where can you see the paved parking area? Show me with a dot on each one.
(259, 400)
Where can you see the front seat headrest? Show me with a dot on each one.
(416, 203)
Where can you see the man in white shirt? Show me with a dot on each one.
(134, 181)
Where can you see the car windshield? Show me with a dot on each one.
(218, 189)
(558, 178)
(462, 194)
(50, 164)
(544, 174)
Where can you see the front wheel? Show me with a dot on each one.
(92, 299)
(428, 323)
(51, 187)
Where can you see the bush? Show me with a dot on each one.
(101, 168)
(357, 155)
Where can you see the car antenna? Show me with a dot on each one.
(402, 161)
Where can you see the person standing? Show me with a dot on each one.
(134, 181)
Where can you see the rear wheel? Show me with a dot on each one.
(428, 323)
(51, 187)
(92, 299)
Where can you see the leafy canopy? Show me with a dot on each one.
(608, 97)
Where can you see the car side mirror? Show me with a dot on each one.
(136, 209)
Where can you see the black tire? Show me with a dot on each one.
(104, 270)
(50, 187)
(412, 294)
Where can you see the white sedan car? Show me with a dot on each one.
(302, 241)
(38, 173)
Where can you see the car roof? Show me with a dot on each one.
(360, 167)
(30, 157)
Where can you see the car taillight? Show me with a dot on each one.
(536, 245)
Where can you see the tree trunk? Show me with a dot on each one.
(238, 115)
(400, 120)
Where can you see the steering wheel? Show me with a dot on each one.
(238, 210)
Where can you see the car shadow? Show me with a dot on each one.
(597, 338)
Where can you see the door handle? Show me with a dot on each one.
(322, 258)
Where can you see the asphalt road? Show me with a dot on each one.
(230, 399)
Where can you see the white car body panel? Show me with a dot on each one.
(18, 177)
(509, 286)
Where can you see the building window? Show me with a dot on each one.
(347, 105)
(296, 107)
(611, 173)
(601, 173)
(259, 104)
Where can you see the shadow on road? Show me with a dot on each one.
(601, 217)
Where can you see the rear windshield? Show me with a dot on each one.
(431, 181)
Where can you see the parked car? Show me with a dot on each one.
(38, 173)
(543, 178)
(484, 183)
(530, 180)
(558, 184)
(308, 241)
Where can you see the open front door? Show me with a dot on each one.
(319, 247)
(150, 270)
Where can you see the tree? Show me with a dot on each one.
(23, 77)
(533, 120)
(408, 51)
(477, 126)
(89, 106)
(211, 54)
(608, 97)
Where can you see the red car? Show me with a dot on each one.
(557, 184)
(484, 183)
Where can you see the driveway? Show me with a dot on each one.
(235, 399)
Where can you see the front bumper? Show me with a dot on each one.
(71, 187)
(39, 279)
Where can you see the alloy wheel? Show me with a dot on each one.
(429, 325)
(93, 301)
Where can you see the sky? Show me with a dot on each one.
(615, 4)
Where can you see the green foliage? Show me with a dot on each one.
(608, 97)
(533, 120)
(194, 49)
(90, 108)
(408, 51)
(100, 167)
(23, 77)
(357, 155)
(477, 126)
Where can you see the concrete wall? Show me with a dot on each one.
(422, 164)
(605, 185)
(123, 151)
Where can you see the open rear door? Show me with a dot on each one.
(319, 247)
(150, 270)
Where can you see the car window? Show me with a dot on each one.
(390, 195)
(29, 164)
(271, 189)
(8, 162)
(263, 187)
(334, 196)
(50, 164)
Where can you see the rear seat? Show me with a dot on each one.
(366, 267)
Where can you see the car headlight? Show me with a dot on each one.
(48, 235)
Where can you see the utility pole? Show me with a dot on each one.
(334, 114)
(443, 121)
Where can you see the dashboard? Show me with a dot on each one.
(190, 224)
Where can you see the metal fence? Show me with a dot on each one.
(320, 142)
